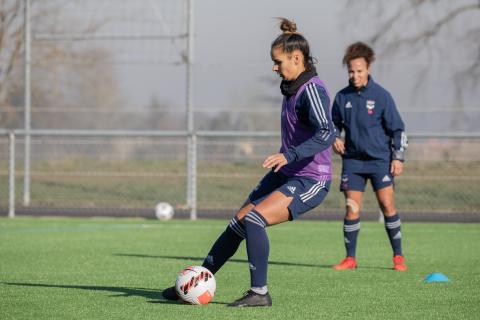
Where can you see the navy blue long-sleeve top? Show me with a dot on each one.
(373, 127)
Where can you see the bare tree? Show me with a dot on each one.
(11, 42)
(64, 75)
(429, 28)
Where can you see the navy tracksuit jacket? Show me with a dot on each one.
(374, 130)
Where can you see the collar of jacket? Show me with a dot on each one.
(289, 88)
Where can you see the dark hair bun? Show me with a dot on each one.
(287, 26)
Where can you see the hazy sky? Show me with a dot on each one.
(232, 66)
(232, 44)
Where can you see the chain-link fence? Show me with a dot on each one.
(129, 175)
(97, 174)
(93, 64)
(442, 175)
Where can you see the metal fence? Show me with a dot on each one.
(105, 68)
(128, 172)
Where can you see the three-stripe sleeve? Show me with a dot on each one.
(316, 104)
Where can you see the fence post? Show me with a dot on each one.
(28, 98)
(192, 139)
(193, 181)
(11, 176)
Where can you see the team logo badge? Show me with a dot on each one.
(370, 106)
(344, 183)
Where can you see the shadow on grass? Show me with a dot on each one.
(376, 268)
(200, 259)
(164, 301)
(154, 294)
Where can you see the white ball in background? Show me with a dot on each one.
(164, 211)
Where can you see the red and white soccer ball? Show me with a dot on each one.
(195, 285)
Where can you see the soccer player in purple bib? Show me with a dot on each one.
(373, 150)
(300, 173)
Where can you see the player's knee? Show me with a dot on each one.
(353, 207)
(244, 210)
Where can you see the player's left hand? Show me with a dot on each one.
(396, 168)
(276, 161)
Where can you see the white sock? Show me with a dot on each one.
(260, 290)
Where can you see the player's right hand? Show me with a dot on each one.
(276, 161)
(339, 146)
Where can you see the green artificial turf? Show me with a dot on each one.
(68, 268)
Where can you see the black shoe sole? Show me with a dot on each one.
(251, 299)
(248, 306)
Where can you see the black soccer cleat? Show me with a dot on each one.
(253, 299)
(170, 294)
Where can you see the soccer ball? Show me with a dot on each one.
(195, 285)
(163, 211)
